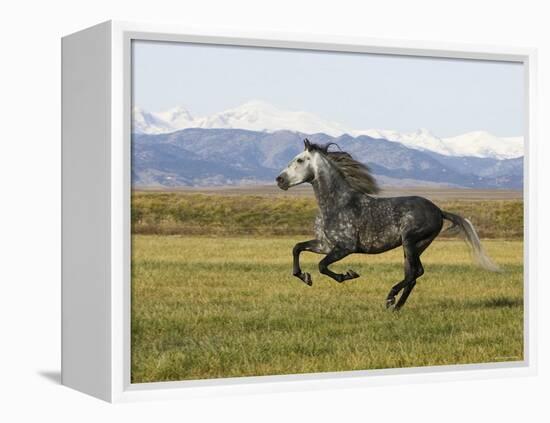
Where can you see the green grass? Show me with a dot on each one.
(184, 213)
(210, 307)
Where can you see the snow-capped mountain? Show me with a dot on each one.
(177, 118)
(261, 116)
(422, 139)
(149, 123)
(253, 115)
(471, 144)
(484, 144)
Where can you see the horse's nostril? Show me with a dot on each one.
(279, 179)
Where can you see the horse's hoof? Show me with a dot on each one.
(390, 303)
(350, 274)
(304, 277)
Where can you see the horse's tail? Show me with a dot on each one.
(465, 226)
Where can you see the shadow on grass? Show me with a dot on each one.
(498, 302)
(482, 303)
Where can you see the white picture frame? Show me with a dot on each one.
(96, 136)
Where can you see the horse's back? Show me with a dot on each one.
(421, 213)
(411, 213)
(411, 203)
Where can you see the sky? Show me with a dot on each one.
(361, 91)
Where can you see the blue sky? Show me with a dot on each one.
(448, 97)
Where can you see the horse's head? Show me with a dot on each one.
(299, 170)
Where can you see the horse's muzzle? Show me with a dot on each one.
(281, 182)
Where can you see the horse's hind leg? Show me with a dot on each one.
(406, 292)
(337, 253)
(315, 247)
(406, 284)
(390, 299)
(413, 270)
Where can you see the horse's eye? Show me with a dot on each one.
(300, 160)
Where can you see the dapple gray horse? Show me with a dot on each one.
(350, 220)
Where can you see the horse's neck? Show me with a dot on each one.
(330, 188)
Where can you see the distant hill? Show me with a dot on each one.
(216, 157)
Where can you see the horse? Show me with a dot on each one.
(352, 220)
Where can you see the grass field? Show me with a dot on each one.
(209, 307)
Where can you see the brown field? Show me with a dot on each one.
(434, 194)
(258, 212)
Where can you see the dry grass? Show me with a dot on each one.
(184, 213)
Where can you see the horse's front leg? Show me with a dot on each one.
(337, 253)
(314, 246)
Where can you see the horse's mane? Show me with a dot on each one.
(357, 174)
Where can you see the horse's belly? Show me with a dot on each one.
(379, 243)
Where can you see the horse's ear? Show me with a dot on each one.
(307, 145)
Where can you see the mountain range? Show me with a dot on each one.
(263, 117)
(251, 143)
(222, 156)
